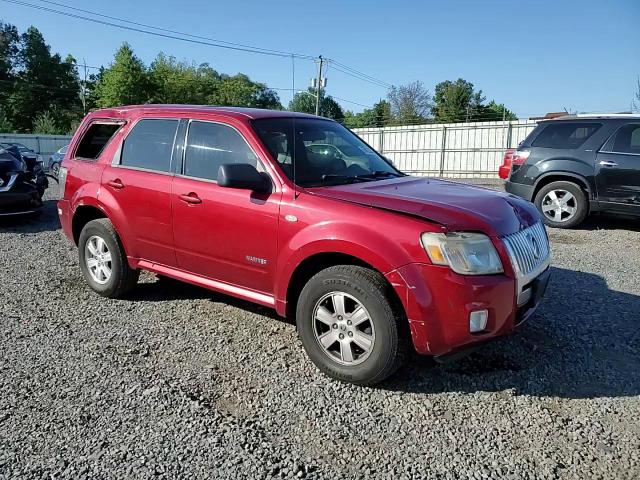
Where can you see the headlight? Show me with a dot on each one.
(464, 252)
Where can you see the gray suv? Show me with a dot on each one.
(572, 166)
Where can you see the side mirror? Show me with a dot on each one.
(243, 175)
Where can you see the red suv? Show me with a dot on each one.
(370, 262)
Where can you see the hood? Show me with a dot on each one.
(8, 163)
(456, 206)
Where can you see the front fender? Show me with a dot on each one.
(384, 252)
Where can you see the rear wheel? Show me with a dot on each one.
(103, 261)
(562, 204)
(348, 324)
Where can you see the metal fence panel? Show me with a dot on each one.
(41, 144)
(457, 150)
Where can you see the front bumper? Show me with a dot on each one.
(19, 197)
(438, 302)
(64, 212)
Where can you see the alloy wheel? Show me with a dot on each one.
(98, 259)
(343, 328)
(559, 206)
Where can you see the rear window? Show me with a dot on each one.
(95, 139)
(149, 145)
(565, 135)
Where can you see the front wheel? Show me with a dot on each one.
(103, 261)
(562, 204)
(349, 325)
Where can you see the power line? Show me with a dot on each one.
(199, 39)
(361, 75)
(213, 43)
(253, 47)
(365, 79)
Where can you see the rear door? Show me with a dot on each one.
(618, 170)
(225, 234)
(139, 180)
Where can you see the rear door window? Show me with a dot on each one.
(625, 140)
(210, 145)
(149, 145)
(565, 135)
(95, 139)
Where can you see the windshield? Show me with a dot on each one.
(323, 152)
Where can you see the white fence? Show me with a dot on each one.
(41, 144)
(458, 150)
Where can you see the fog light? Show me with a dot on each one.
(478, 320)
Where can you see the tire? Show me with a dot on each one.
(357, 286)
(99, 234)
(572, 212)
(55, 169)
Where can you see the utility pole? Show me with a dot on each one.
(318, 85)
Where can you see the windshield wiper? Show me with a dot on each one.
(378, 174)
(343, 178)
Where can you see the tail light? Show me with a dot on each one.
(62, 180)
(520, 156)
(505, 168)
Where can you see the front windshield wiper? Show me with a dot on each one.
(343, 178)
(379, 174)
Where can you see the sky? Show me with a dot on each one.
(533, 56)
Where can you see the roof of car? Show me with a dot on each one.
(234, 112)
(594, 116)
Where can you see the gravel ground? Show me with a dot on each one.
(178, 381)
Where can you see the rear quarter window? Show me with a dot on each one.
(95, 139)
(566, 135)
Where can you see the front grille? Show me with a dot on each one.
(528, 248)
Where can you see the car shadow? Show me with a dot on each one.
(583, 342)
(43, 220)
(610, 221)
(163, 289)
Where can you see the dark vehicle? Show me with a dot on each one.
(53, 165)
(22, 181)
(575, 165)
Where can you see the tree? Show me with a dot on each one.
(456, 101)
(305, 102)
(378, 116)
(495, 112)
(43, 81)
(125, 82)
(410, 103)
(239, 90)
(8, 57)
(45, 124)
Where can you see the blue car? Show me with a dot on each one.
(55, 160)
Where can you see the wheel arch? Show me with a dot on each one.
(576, 178)
(82, 215)
(317, 262)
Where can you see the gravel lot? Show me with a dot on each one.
(181, 382)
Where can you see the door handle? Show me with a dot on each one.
(191, 198)
(117, 184)
(607, 163)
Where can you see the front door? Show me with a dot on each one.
(618, 170)
(225, 234)
(140, 184)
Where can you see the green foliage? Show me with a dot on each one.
(125, 82)
(459, 102)
(45, 124)
(37, 80)
(305, 102)
(378, 116)
(493, 111)
(410, 104)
